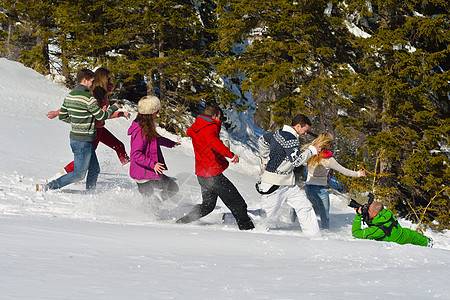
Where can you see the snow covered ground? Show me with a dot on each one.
(113, 245)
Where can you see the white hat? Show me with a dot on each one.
(149, 105)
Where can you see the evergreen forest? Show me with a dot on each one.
(374, 74)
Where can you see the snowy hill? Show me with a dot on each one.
(113, 245)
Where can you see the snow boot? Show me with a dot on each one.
(247, 225)
(184, 220)
(41, 187)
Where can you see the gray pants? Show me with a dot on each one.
(168, 186)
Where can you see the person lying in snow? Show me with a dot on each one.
(383, 226)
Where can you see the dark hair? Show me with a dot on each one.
(211, 109)
(84, 74)
(99, 93)
(302, 120)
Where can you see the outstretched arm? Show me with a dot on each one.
(344, 171)
(298, 158)
(371, 232)
(52, 114)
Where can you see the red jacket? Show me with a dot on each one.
(209, 151)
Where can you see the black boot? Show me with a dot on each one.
(247, 225)
(184, 220)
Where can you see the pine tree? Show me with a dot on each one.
(401, 94)
(29, 26)
(168, 49)
(389, 90)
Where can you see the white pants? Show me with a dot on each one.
(297, 200)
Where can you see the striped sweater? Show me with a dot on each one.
(81, 109)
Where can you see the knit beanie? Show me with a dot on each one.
(149, 105)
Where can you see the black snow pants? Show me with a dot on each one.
(219, 186)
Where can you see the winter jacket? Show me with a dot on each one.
(104, 106)
(209, 150)
(379, 230)
(144, 155)
(280, 152)
(318, 174)
(81, 109)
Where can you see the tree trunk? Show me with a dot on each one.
(46, 56)
(151, 84)
(162, 77)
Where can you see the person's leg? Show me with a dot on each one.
(112, 142)
(303, 208)
(311, 194)
(168, 186)
(271, 203)
(146, 188)
(93, 171)
(325, 207)
(209, 200)
(71, 166)
(231, 197)
(82, 152)
(409, 236)
(315, 194)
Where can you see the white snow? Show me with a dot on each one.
(113, 245)
(356, 30)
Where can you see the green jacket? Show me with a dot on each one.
(383, 221)
(80, 109)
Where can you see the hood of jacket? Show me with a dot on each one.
(383, 217)
(209, 150)
(202, 122)
(134, 128)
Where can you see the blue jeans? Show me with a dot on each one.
(320, 200)
(85, 161)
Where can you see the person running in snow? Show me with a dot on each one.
(147, 161)
(318, 167)
(210, 163)
(102, 79)
(81, 109)
(280, 153)
(383, 226)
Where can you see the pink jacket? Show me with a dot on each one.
(145, 155)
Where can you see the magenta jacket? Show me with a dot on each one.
(145, 155)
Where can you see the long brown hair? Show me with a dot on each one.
(101, 79)
(324, 141)
(148, 127)
(102, 76)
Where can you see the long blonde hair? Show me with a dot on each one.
(323, 141)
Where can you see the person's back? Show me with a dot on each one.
(283, 156)
(210, 162)
(209, 151)
(81, 109)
